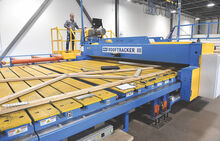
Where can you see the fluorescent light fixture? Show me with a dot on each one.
(197, 19)
(211, 4)
(173, 11)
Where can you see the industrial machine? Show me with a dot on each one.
(161, 73)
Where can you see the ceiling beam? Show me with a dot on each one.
(197, 7)
(209, 12)
(195, 2)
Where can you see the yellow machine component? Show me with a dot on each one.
(71, 67)
(67, 105)
(87, 32)
(195, 83)
(208, 48)
(94, 43)
(70, 55)
(65, 87)
(37, 113)
(101, 94)
(58, 42)
(63, 105)
(15, 119)
(78, 84)
(108, 41)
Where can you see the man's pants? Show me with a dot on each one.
(68, 42)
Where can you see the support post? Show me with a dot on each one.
(155, 108)
(117, 18)
(85, 12)
(218, 26)
(179, 16)
(208, 31)
(126, 121)
(171, 22)
(192, 31)
(165, 103)
(199, 27)
(82, 31)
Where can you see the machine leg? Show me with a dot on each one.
(126, 121)
(165, 108)
(165, 103)
(156, 108)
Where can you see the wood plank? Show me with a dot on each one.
(138, 73)
(77, 93)
(103, 94)
(30, 89)
(38, 112)
(73, 75)
(60, 68)
(62, 86)
(14, 119)
(47, 91)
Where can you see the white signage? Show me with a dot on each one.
(17, 131)
(128, 50)
(47, 121)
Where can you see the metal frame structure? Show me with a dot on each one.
(192, 31)
(185, 80)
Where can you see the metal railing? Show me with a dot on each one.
(196, 31)
(109, 34)
(60, 41)
(59, 48)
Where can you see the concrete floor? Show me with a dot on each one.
(196, 121)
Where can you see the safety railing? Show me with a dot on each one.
(58, 41)
(196, 31)
(109, 34)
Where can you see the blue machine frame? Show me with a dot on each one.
(133, 48)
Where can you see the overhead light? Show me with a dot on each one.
(129, 0)
(197, 19)
(173, 11)
(211, 4)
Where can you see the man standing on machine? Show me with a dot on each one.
(70, 24)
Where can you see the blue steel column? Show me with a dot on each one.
(126, 122)
(192, 30)
(82, 31)
(208, 31)
(179, 16)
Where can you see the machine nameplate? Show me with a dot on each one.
(127, 50)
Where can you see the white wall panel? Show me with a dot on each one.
(15, 13)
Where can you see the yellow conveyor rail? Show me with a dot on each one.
(90, 65)
(19, 118)
(15, 119)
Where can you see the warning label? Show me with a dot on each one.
(159, 84)
(47, 121)
(129, 94)
(167, 81)
(17, 131)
